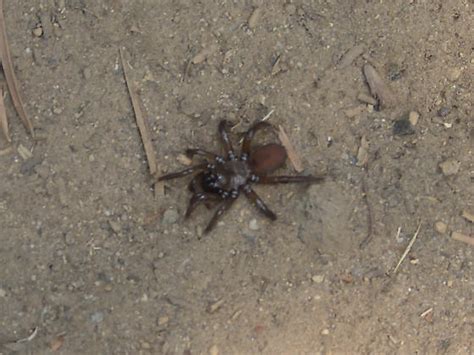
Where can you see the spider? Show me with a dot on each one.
(221, 179)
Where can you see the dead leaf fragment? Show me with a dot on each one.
(378, 88)
(350, 56)
(290, 150)
(253, 19)
(56, 343)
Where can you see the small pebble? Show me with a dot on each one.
(454, 74)
(38, 32)
(115, 226)
(163, 320)
(87, 73)
(170, 216)
(441, 227)
(317, 279)
(214, 350)
(3, 293)
(450, 167)
(444, 111)
(394, 72)
(97, 317)
(145, 345)
(253, 225)
(402, 127)
(325, 332)
(413, 117)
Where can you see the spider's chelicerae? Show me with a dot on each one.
(221, 179)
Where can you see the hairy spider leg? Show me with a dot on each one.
(245, 152)
(184, 172)
(288, 179)
(230, 154)
(199, 198)
(258, 202)
(212, 157)
(220, 211)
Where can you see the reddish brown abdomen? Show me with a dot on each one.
(267, 158)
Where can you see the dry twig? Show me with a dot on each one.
(12, 82)
(292, 155)
(141, 123)
(407, 250)
(3, 118)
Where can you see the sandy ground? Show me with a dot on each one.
(95, 261)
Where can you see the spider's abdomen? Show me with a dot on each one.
(267, 158)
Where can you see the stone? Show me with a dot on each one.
(454, 74)
(413, 117)
(97, 317)
(253, 224)
(170, 216)
(450, 167)
(441, 227)
(317, 279)
(402, 127)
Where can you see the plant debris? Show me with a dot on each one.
(141, 122)
(378, 88)
(407, 250)
(3, 118)
(12, 81)
(460, 237)
(290, 150)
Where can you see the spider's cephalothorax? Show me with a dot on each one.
(222, 178)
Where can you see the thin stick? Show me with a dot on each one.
(3, 118)
(407, 250)
(12, 82)
(292, 155)
(141, 123)
(267, 116)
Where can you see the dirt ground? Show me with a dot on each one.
(95, 261)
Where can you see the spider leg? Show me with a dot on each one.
(197, 199)
(184, 172)
(193, 185)
(249, 136)
(210, 156)
(258, 202)
(225, 139)
(288, 179)
(220, 211)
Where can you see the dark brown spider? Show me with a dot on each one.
(223, 178)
